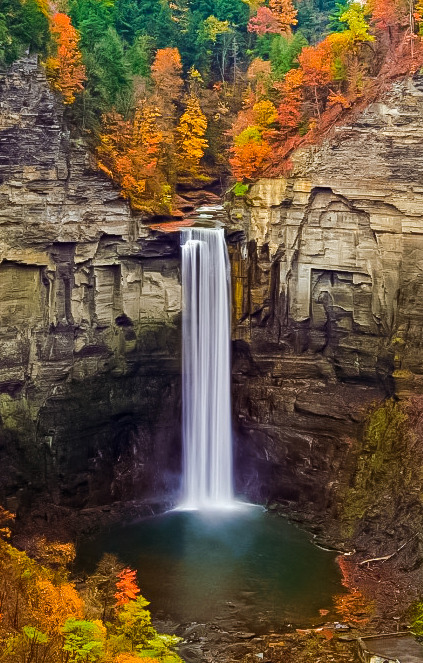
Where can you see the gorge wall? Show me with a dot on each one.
(327, 270)
(89, 321)
(328, 285)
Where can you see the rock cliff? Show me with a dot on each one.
(327, 283)
(89, 320)
(328, 286)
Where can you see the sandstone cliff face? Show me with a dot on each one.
(89, 319)
(328, 300)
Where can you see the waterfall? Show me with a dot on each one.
(206, 408)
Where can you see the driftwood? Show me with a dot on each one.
(386, 557)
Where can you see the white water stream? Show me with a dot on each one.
(206, 408)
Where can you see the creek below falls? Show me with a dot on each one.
(246, 567)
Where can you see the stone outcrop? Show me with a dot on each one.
(328, 301)
(89, 320)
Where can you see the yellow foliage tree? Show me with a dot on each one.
(264, 113)
(191, 141)
(130, 152)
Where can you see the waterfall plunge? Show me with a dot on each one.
(207, 438)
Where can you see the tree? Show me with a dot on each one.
(23, 25)
(191, 141)
(264, 22)
(6, 521)
(358, 27)
(285, 13)
(259, 75)
(166, 73)
(101, 587)
(92, 18)
(264, 114)
(250, 154)
(385, 17)
(83, 640)
(289, 111)
(135, 622)
(65, 70)
(316, 66)
(131, 152)
(284, 51)
(112, 70)
(126, 586)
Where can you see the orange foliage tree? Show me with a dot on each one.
(289, 111)
(127, 588)
(316, 65)
(250, 154)
(285, 13)
(166, 72)
(65, 69)
(6, 521)
(130, 152)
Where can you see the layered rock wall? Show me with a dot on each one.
(328, 300)
(89, 319)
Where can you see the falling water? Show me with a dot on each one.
(207, 440)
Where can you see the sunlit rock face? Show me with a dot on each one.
(327, 301)
(90, 304)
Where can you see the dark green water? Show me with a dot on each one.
(248, 565)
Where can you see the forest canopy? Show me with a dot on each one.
(177, 92)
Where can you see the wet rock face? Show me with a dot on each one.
(89, 320)
(327, 305)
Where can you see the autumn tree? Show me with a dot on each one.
(285, 13)
(126, 587)
(131, 152)
(6, 522)
(64, 68)
(264, 22)
(250, 154)
(290, 108)
(191, 141)
(55, 555)
(316, 66)
(166, 72)
(259, 76)
(385, 16)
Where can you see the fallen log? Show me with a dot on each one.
(384, 558)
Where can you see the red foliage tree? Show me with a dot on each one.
(127, 588)
(264, 22)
